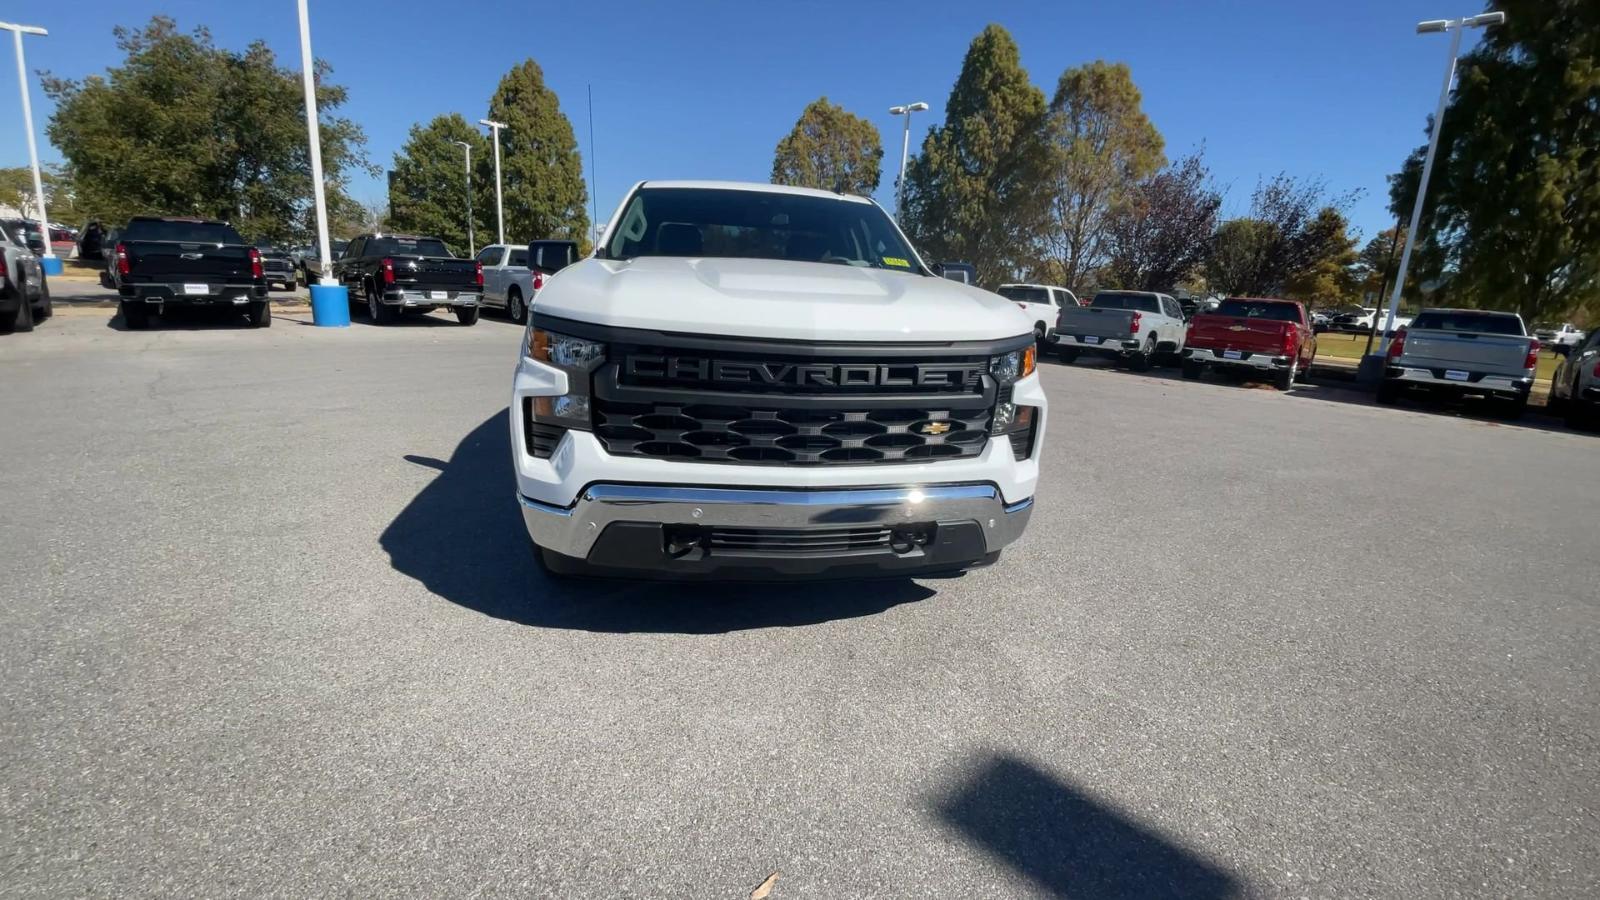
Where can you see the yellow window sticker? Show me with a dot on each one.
(896, 261)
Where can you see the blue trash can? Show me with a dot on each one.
(51, 265)
(330, 306)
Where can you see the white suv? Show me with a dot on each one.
(755, 381)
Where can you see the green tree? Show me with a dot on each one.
(831, 149)
(975, 193)
(1289, 231)
(545, 196)
(1377, 263)
(1325, 273)
(1158, 235)
(1238, 258)
(1101, 146)
(428, 190)
(183, 127)
(1512, 216)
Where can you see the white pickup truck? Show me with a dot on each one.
(762, 382)
(514, 273)
(1560, 338)
(1136, 327)
(1041, 302)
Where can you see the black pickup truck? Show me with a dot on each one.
(394, 273)
(163, 262)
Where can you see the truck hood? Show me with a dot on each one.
(776, 299)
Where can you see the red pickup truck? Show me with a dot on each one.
(1253, 336)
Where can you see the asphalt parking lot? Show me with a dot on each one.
(269, 626)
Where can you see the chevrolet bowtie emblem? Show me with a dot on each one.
(1237, 328)
(935, 428)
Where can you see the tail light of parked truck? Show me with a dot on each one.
(1532, 362)
(123, 267)
(1291, 342)
(538, 281)
(256, 271)
(388, 270)
(1133, 323)
(479, 274)
(1398, 345)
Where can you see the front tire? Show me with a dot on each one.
(515, 308)
(467, 315)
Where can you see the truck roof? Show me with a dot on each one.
(754, 186)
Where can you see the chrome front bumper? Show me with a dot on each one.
(572, 531)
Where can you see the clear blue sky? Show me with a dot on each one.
(706, 89)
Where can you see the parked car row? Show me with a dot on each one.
(1456, 352)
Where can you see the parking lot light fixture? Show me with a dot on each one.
(472, 249)
(1454, 27)
(50, 265)
(905, 153)
(499, 203)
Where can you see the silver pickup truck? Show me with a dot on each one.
(1136, 327)
(1463, 351)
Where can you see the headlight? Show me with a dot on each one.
(1012, 367)
(563, 351)
(577, 357)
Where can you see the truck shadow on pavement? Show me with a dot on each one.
(462, 536)
(1071, 844)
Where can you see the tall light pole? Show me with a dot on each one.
(1454, 27)
(472, 248)
(905, 153)
(330, 301)
(499, 204)
(51, 266)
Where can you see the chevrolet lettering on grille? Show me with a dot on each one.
(776, 374)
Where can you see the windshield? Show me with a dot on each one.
(1024, 294)
(1481, 322)
(758, 225)
(404, 246)
(1134, 301)
(181, 232)
(1259, 309)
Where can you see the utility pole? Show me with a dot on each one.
(905, 155)
(472, 248)
(499, 204)
(50, 264)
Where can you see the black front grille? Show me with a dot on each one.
(795, 541)
(770, 433)
(791, 407)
